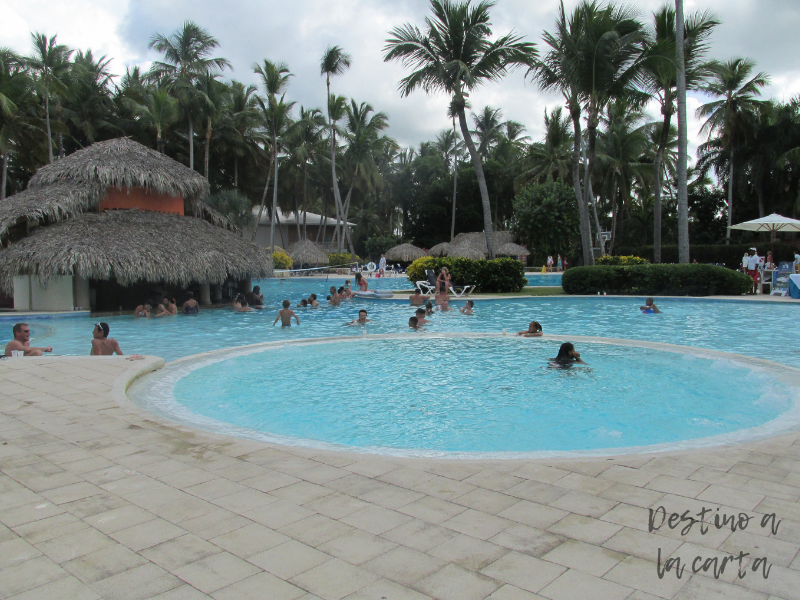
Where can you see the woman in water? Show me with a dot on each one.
(361, 282)
(534, 330)
(567, 355)
(429, 308)
(237, 302)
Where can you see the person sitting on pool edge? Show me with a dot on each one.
(534, 330)
(649, 307)
(421, 320)
(467, 308)
(285, 315)
(412, 323)
(418, 298)
(567, 355)
(22, 342)
(361, 320)
(102, 345)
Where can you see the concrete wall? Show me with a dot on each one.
(57, 295)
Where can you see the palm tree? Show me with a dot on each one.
(51, 62)
(213, 96)
(306, 144)
(488, 129)
(186, 57)
(455, 55)
(556, 72)
(552, 158)
(662, 74)
(16, 100)
(683, 139)
(335, 61)
(239, 125)
(158, 111)
(733, 113)
(275, 78)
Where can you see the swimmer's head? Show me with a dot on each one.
(470, 303)
(362, 311)
(286, 304)
(534, 327)
(412, 321)
(420, 312)
(648, 301)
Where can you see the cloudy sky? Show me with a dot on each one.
(297, 32)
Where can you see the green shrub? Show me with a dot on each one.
(730, 256)
(656, 280)
(624, 261)
(345, 258)
(498, 275)
(281, 260)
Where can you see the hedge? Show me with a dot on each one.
(498, 275)
(620, 261)
(731, 255)
(657, 280)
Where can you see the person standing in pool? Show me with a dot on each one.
(191, 307)
(567, 355)
(467, 308)
(142, 311)
(420, 315)
(362, 283)
(285, 315)
(312, 301)
(335, 300)
(649, 307)
(22, 342)
(534, 330)
(417, 298)
(102, 345)
(361, 320)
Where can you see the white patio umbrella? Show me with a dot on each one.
(771, 223)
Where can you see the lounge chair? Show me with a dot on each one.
(463, 290)
(428, 287)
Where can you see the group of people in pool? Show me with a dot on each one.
(167, 308)
(102, 345)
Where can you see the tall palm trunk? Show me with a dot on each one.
(730, 199)
(274, 193)
(263, 201)
(191, 140)
(662, 144)
(208, 146)
(345, 214)
(614, 193)
(305, 199)
(3, 172)
(47, 122)
(235, 171)
(337, 199)
(297, 213)
(591, 126)
(476, 163)
(583, 209)
(324, 219)
(455, 180)
(683, 159)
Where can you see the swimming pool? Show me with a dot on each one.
(473, 395)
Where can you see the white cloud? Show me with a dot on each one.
(298, 32)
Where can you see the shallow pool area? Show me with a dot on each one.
(474, 395)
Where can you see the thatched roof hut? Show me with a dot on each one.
(307, 252)
(512, 249)
(464, 250)
(442, 249)
(405, 253)
(131, 246)
(478, 240)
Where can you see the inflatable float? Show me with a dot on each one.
(374, 294)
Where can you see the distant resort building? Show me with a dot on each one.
(286, 228)
(106, 226)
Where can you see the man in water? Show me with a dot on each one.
(22, 342)
(102, 345)
(285, 315)
(335, 298)
(649, 307)
(255, 298)
(361, 320)
(412, 323)
(417, 299)
(312, 301)
(421, 320)
(467, 308)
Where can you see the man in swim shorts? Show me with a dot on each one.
(285, 315)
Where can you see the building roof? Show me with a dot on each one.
(131, 246)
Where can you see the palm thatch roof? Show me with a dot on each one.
(465, 250)
(405, 253)
(123, 163)
(442, 249)
(306, 251)
(478, 239)
(511, 249)
(131, 246)
(51, 203)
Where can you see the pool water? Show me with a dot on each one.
(469, 395)
(762, 330)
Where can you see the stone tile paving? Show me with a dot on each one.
(99, 499)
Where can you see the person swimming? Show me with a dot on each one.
(534, 330)
(467, 308)
(567, 355)
(649, 307)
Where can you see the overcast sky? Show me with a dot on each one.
(297, 32)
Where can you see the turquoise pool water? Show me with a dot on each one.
(470, 395)
(763, 330)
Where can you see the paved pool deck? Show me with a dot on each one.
(99, 499)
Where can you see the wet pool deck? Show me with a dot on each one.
(99, 499)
